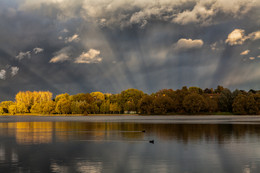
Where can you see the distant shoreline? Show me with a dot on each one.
(154, 119)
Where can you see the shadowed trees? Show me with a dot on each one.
(239, 104)
(162, 104)
(146, 104)
(194, 103)
(225, 100)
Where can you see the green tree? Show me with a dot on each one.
(83, 97)
(115, 108)
(129, 99)
(92, 108)
(146, 105)
(79, 107)
(162, 104)
(195, 90)
(63, 106)
(130, 106)
(251, 105)
(65, 96)
(165, 92)
(105, 107)
(239, 104)
(236, 93)
(194, 103)
(179, 98)
(211, 104)
(257, 100)
(219, 89)
(98, 95)
(225, 100)
(208, 91)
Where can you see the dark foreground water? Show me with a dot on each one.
(123, 147)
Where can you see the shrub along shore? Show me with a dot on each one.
(192, 100)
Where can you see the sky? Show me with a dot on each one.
(82, 46)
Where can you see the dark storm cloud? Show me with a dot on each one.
(84, 46)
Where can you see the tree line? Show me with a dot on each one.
(192, 100)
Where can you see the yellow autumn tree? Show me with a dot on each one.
(27, 100)
(24, 101)
(98, 95)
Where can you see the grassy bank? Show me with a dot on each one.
(168, 114)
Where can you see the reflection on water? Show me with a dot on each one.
(49, 132)
(123, 147)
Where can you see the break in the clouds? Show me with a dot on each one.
(92, 56)
(112, 45)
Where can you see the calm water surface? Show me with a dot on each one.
(123, 147)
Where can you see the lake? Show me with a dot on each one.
(123, 146)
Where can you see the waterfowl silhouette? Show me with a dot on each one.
(151, 141)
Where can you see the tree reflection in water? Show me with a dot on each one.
(124, 147)
(48, 132)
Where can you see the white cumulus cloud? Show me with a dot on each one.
(92, 56)
(23, 55)
(38, 50)
(184, 44)
(14, 71)
(124, 13)
(245, 52)
(2, 74)
(254, 35)
(238, 37)
(251, 58)
(199, 14)
(74, 38)
(61, 56)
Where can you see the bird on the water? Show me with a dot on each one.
(151, 141)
